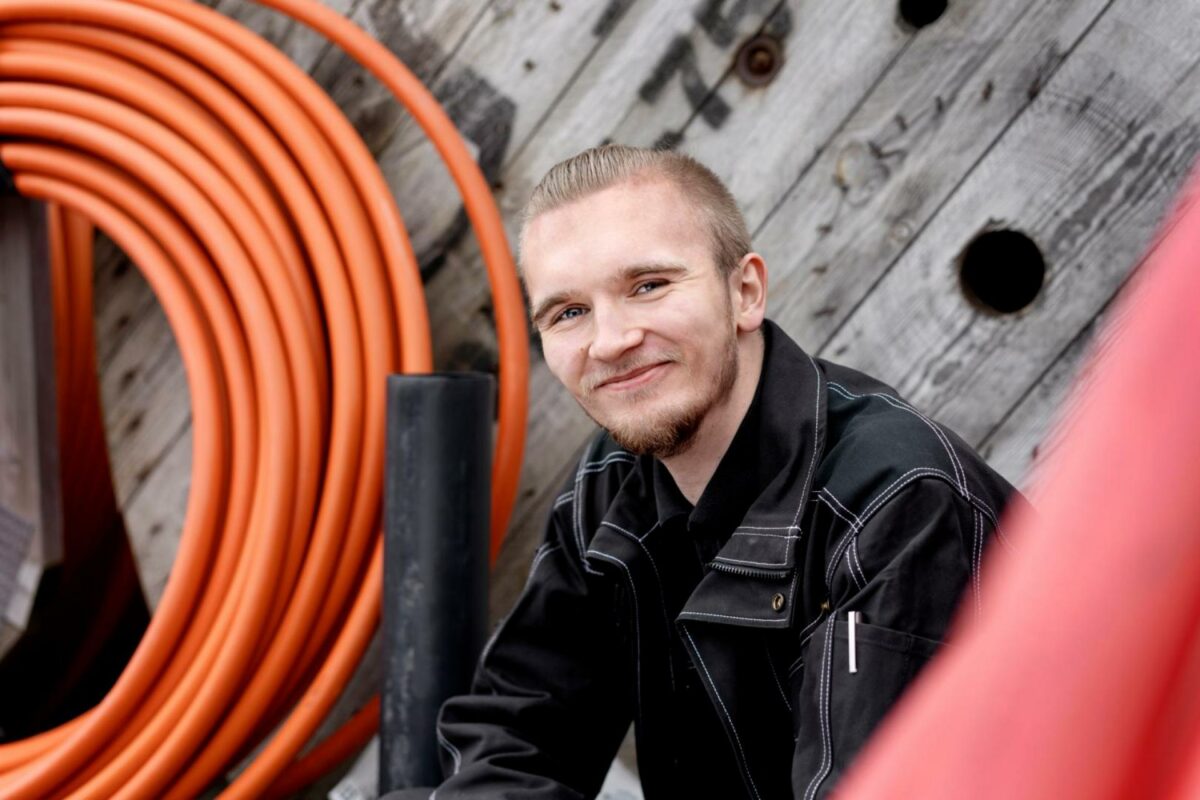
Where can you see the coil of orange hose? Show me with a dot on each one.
(278, 254)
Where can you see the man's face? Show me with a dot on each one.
(635, 318)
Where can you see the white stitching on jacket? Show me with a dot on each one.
(816, 437)
(830, 496)
(770, 535)
(661, 593)
(612, 458)
(823, 713)
(877, 502)
(616, 527)
(773, 622)
(896, 402)
(452, 750)
(587, 467)
(775, 675)
(854, 524)
(895, 487)
(807, 631)
(977, 557)
(855, 563)
(543, 551)
(717, 695)
(726, 560)
(765, 528)
(637, 629)
(960, 480)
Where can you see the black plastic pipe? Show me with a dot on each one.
(437, 499)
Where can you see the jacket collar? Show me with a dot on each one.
(756, 568)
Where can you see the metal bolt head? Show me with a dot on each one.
(759, 60)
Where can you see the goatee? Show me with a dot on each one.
(673, 431)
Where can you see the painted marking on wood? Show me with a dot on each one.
(681, 58)
(612, 14)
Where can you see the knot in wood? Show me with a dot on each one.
(859, 172)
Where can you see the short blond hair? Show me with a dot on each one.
(601, 167)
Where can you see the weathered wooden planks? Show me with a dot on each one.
(30, 499)
(942, 105)
(1087, 172)
(877, 78)
(155, 511)
(1019, 443)
(865, 166)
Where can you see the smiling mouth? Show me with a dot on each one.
(633, 378)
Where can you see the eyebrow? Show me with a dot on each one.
(626, 275)
(543, 308)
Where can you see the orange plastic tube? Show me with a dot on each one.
(272, 242)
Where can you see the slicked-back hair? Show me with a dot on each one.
(608, 165)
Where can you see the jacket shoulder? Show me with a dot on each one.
(876, 443)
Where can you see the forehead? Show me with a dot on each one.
(594, 238)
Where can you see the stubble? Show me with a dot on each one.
(672, 431)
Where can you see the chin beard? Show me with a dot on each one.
(661, 439)
(674, 432)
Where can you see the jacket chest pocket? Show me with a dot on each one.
(836, 709)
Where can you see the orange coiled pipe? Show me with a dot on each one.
(278, 254)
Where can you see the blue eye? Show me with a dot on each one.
(648, 286)
(569, 313)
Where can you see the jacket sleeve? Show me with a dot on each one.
(550, 702)
(905, 571)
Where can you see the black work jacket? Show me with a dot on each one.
(723, 632)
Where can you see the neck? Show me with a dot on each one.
(693, 468)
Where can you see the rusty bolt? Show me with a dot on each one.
(759, 60)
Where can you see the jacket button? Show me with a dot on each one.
(778, 602)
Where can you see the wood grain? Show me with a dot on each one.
(30, 491)
(936, 113)
(1087, 172)
(864, 167)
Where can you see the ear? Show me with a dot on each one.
(748, 292)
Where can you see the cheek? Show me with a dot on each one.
(693, 329)
(676, 322)
(563, 361)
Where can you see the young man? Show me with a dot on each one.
(755, 555)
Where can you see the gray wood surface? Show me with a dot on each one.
(1087, 171)
(865, 167)
(30, 501)
(941, 107)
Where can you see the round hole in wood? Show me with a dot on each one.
(919, 13)
(1002, 271)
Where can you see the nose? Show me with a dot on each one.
(614, 333)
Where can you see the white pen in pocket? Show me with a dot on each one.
(852, 619)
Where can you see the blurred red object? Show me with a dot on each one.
(1081, 677)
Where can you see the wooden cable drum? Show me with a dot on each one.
(279, 256)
